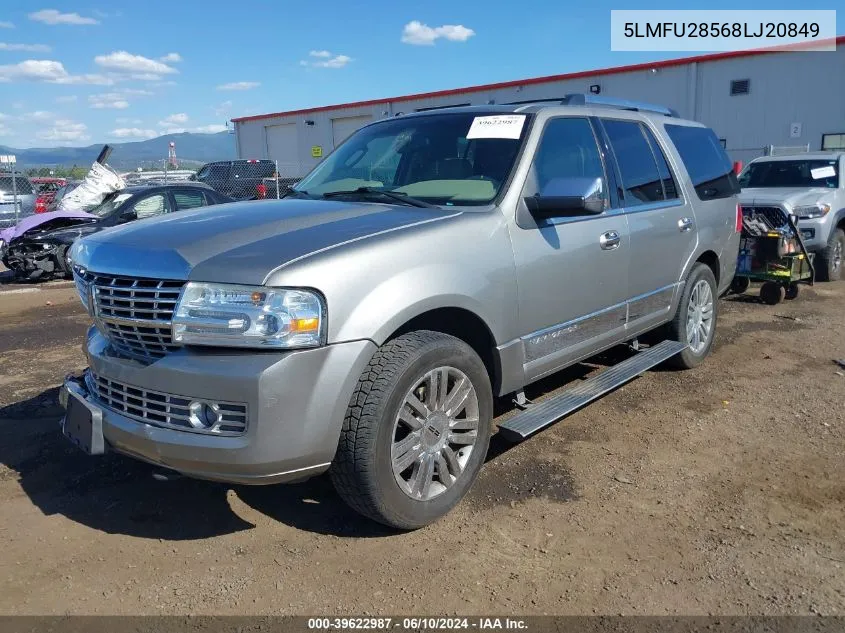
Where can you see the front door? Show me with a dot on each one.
(572, 271)
(662, 224)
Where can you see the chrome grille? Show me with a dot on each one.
(163, 409)
(132, 312)
(776, 217)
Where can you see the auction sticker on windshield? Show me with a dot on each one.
(499, 126)
(823, 172)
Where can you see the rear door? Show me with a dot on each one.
(715, 189)
(661, 222)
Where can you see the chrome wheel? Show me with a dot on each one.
(434, 433)
(699, 317)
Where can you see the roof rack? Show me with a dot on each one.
(581, 99)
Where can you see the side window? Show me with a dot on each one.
(669, 188)
(151, 206)
(188, 199)
(567, 150)
(640, 178)
(706, 162)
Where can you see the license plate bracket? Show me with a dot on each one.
(83, 424)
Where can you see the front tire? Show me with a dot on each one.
(416, 431)
(695, 318)
(829, 261)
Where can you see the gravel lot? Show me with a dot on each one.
(714, 491)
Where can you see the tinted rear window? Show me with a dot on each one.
(707, 163)
(260, 169)
(23, 185)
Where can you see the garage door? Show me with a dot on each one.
(282, 147)
(343, 127)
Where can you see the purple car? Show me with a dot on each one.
(36, 248)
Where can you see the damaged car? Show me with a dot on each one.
(37, 247)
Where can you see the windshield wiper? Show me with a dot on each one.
(291, 192)
(393, 195)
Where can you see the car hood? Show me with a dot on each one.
(792, 196)
(44, 221)
(241, 242)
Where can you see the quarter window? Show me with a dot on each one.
(706, 162)
(641, 180)
(188, 199)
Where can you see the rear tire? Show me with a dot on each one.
(829, 261)
(691, 324)
(407, 452)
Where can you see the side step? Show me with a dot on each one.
(543, 414)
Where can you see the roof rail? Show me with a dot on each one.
(582, 99)
(610, 102)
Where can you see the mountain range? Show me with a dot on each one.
(190, 148)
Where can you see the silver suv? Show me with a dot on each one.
(434, 261)
(811, 187)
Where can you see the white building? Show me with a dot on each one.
(752, 99)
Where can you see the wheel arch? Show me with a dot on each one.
(461, 323)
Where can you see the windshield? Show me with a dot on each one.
(442, 159)
(112, 203)
(791, 173)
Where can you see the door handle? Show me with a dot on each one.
(685, 224)
(609, 241)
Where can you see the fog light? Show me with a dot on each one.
(204, 415)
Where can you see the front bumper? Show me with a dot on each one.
(296, 402)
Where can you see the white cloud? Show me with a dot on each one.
(133, 132)
(6, 25)
(48, 71)
(223, 109)
(419, 34)
(214, 128)
(239, 85)
(326, 60)
(108, 100)
(53, 17)
(125, 121)
(171, 58)
(64, 130)
(136, 66)
(28, 48)
(137, 92)
(38, 115)
(5, 131)
(67, 99)
(174, 119)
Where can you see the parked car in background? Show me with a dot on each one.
(37, 247)
(69, 186)
(239, 179)
(810, 187)
(45, 191)
(25, 199)
(430, 263)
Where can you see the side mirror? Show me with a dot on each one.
(562, 197)
(128, 216)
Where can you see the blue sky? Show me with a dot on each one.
(87, 71)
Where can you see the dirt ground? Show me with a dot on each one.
(713, 491)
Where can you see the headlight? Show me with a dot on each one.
(248, 316)
(812, 211)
